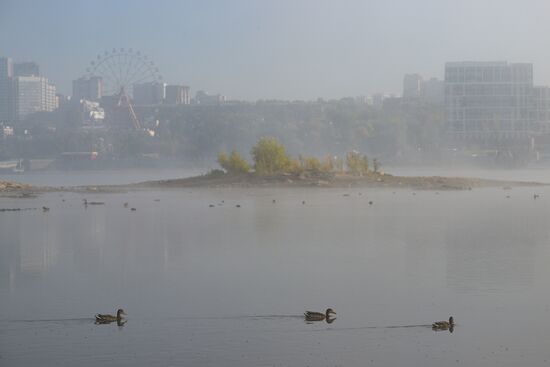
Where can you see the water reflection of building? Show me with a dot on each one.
(9, 252)
(28, 248)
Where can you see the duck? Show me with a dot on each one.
(444, 325)
(319, 316)
(106, 318)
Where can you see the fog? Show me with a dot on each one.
(282, 183)
(280, 49)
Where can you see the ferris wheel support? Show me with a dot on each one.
(124, 101)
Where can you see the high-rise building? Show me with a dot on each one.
(33, 94)
(149, 93)
(6, 67)
(28, 68)
(7, 101)
(488, 99)
(412, 84)
(177, 94)
(7, 108)
(90, 89)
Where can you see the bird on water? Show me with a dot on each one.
(106, 318)
(444, 325)
(319, 316)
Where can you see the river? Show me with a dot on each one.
(227, 285)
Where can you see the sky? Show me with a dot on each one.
(278, 49)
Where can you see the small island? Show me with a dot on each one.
(272, 167)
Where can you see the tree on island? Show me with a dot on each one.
(234, 164)
(270, 157)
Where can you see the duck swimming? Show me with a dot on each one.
(106, 319)
(319, 316)
(444, 325)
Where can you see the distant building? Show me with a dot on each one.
(90, 89)
(416, 89)
(489, 99)
(6, 67)
(412, 86)
(29, 68)
(33, 94)
(432, 91)
(541, 113)
(151, 93)
(203, 97)
(177, 94)
(7, 107)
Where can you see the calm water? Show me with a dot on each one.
(226, 286)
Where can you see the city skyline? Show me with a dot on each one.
(277, 50)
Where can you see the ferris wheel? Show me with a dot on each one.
(120, 69)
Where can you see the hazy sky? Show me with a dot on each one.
(288, 49)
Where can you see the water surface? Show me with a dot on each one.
(226, 285)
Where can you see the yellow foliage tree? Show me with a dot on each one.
(269, 157)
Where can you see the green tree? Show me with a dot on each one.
(235, 164)
(269, 156)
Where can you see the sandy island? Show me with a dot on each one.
(374, 180)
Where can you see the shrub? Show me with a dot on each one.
(235, 164)
(311, 164)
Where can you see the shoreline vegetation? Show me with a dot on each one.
(273, 168)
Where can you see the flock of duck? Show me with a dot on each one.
(309, 316)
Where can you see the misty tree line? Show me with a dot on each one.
(395, 133)
(198, 133)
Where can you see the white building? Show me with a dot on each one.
(33, 94)
(177, 94)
